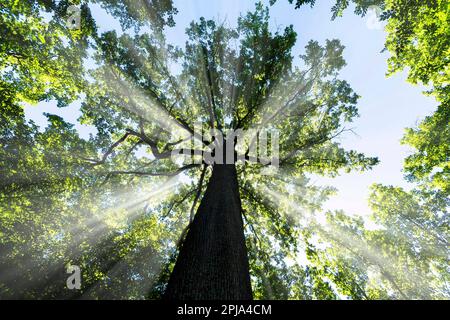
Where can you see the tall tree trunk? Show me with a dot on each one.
(213, 262)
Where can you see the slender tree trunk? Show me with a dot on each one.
(213, 262)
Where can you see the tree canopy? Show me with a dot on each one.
(119, 203)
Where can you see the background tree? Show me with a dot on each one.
(120, 206)
(230, 79)
(49, 211)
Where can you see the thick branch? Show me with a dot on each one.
(197, 195)
(210, 92)
(177, 203)
(109, 151)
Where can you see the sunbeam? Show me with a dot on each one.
(348, 241)
(139, 103)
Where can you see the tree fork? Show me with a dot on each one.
(213, 263)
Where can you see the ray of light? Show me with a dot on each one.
(139, 103)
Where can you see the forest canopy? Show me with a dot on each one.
(141, 212)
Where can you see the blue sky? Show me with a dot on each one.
(387, 105)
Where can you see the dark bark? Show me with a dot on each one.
(213, 262)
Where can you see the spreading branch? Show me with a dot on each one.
(151, 174)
